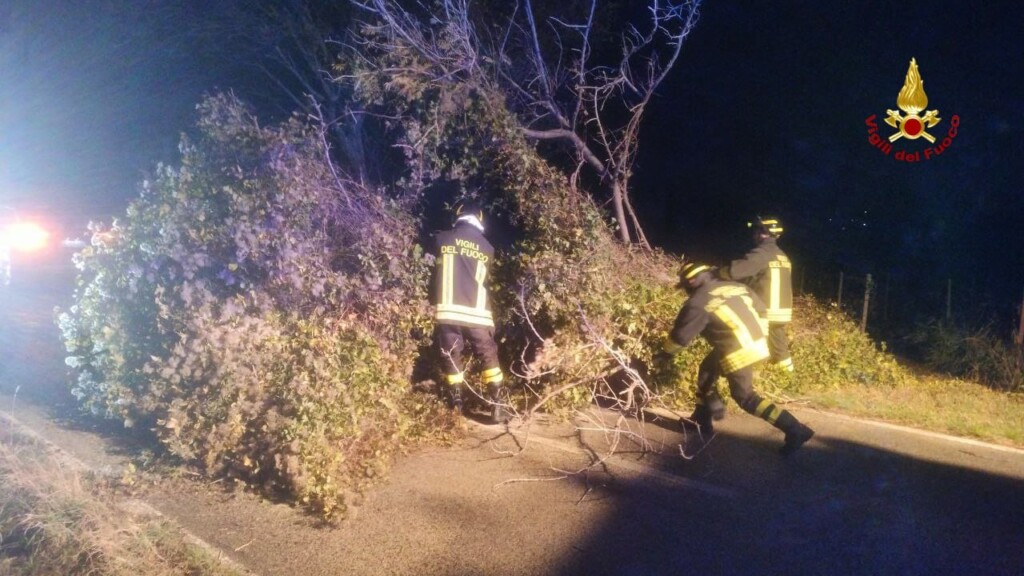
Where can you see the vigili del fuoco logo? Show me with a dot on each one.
(912, 125)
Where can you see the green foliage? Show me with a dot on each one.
(263, 314)
(979, 356)
(583, 307)
(830, 352)
(256, 310)
(566, 287)
(315, 414)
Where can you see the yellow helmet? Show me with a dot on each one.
(689, 273)
(468, 207)
(769, 224)
(690, 270)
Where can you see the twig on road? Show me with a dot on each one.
(244, 545)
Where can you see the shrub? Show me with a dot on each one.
(576, 307)
(979, 356)
(254, 308)
(829, 351)
(579, 309)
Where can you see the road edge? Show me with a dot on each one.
(131, 506)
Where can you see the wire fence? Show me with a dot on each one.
(891, 303)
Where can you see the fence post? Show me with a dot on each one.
(867, 298)
(885, 299)
(949, 298)
(1019, 336)
(839, 299)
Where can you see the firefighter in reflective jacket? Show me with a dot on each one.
(731, 318)
(769, 273)
(463, 309)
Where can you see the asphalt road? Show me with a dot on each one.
(598, 496)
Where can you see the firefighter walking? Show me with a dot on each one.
(463, 308)
(730, 317)
(769, 273)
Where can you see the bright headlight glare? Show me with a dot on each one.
(25, 236)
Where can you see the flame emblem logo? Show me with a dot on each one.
(912, 100)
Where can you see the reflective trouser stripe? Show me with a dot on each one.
(454, 379)
(492, 376)
(767, 410)
(786, 364)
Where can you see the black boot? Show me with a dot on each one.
(499, 409)
(715, 405)
(796, 437)
(797, 434)
(453, 397)
(699, 421)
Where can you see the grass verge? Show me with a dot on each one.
(55, 519)
(840, 369)
(935, 403)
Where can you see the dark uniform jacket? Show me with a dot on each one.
(730, 317)
(768, 271)
(464, 257)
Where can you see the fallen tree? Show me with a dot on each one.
(262, 311)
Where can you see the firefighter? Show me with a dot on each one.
(463, 308)
(769, 273)
(730, 317)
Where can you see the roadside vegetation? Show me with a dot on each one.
(969, 384)
(55, 519)
(979, 354)
(262, 308)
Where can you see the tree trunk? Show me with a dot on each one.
(620, 212)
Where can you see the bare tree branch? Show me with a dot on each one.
(548, 76)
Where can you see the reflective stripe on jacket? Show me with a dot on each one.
(464, 257)
(768, 271)
(730, 317)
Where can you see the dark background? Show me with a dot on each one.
(764, 114)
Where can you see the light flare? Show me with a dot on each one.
(25, 237)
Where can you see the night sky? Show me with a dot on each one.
(765, 113)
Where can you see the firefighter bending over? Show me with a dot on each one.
(463, 309)
(769, 273)
(730, 317)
